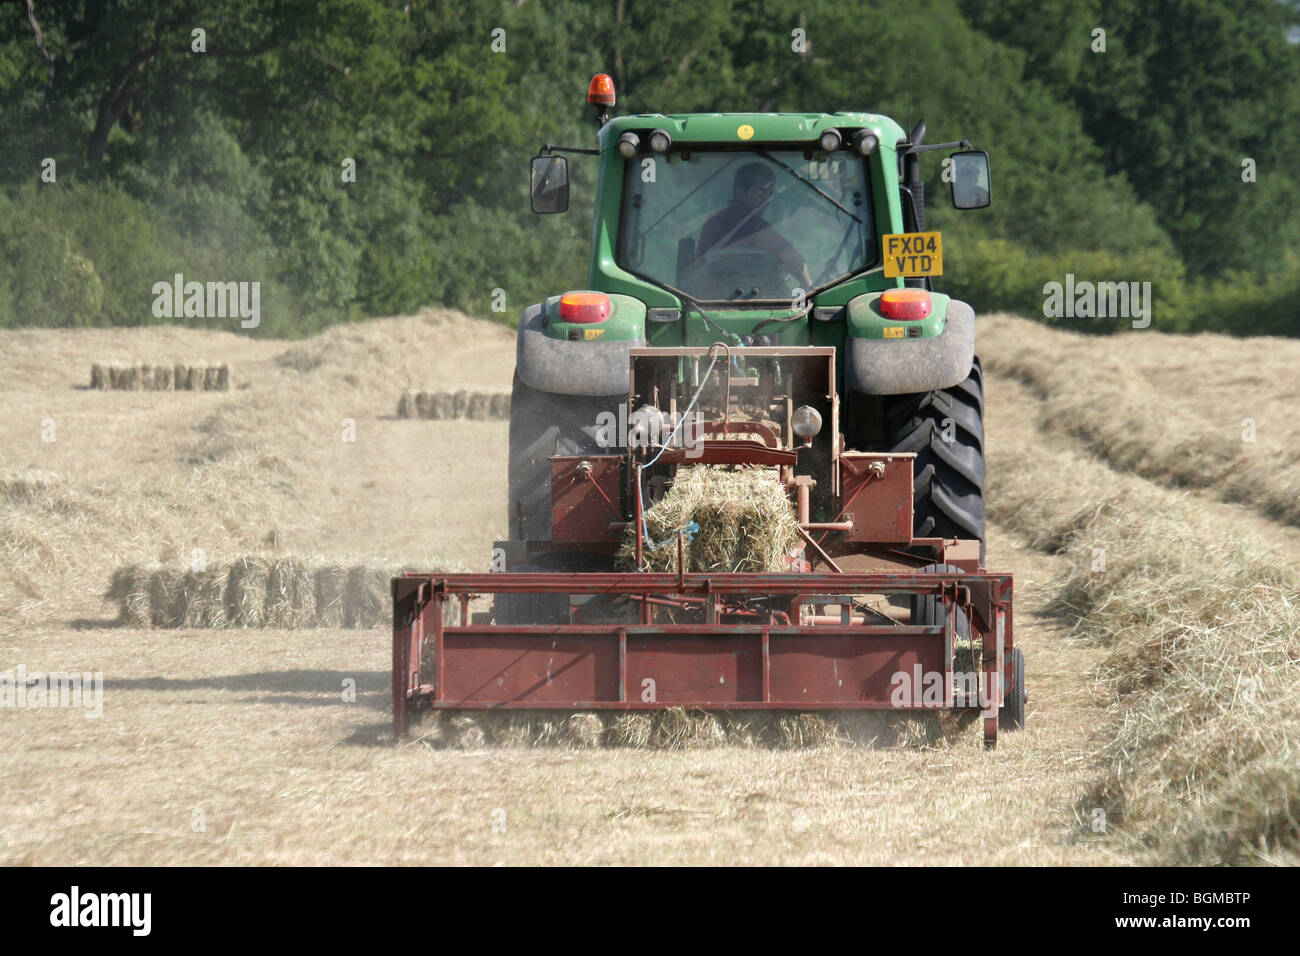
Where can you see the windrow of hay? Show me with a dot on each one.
(746, 523)
(282, 591)
(682, 729)
(175, 377)
(30, 487)
(1232, 433)
(444, 406)
(1202, 636)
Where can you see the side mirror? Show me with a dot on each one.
(550, 188)
(971, 185)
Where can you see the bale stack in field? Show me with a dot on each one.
(256, 590)
(746, 523)
(175, 377)
(446, 406)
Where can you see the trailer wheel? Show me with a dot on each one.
(1012, 714)
(530, 608)
(928, 610)
(541, 425)
(945, 428)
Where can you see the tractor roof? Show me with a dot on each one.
(730, 128)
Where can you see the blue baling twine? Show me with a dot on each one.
(691, 529)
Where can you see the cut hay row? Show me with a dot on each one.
(159, 378)
(679, 729)
(746, 523)
(28, 487)
(1202, 637)
(1226, 435)
(445, 406)
(254, 591)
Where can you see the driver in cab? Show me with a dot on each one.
(740, 223)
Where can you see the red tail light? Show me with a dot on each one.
(584, 307)
(906, 305)
(601, 91)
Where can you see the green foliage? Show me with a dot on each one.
(227, 164)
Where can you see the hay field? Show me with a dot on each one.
(271, 745)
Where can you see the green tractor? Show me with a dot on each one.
(754, 231)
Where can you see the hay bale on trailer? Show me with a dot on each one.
(745, 518)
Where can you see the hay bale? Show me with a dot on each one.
(290, 594)
(128, 378)
(212, 378)
(166, 598)
(194, 378)
(129, 589)
(180, 377)
(99, 375)
(423, 406)
(367, 597)
(501, 405)
(441, 406)
(223, 378)
(331, 586)
(746, 520)
(459, 404)
(246, 591)
(478, 406)
(406, 404)
(146, 378)
(162, 378)
(205, 598)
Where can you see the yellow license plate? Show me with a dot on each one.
(913, 254)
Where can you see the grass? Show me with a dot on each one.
(247, 746)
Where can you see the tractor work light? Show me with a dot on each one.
(629, 144)
(584, 307)
(601, 91)
(866, 142)
(806, 421)
(830, 141)
(660, 141)
(906, 305)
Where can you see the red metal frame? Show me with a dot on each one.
(751, 644)
(719, 665)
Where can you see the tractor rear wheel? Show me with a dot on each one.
(530, 608)
(945, 429)
(543, 424)
(928, 610)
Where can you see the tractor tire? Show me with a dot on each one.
(947, 476)
(1012, 714)
(541, 425)
(530, 608)
(928, 610)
